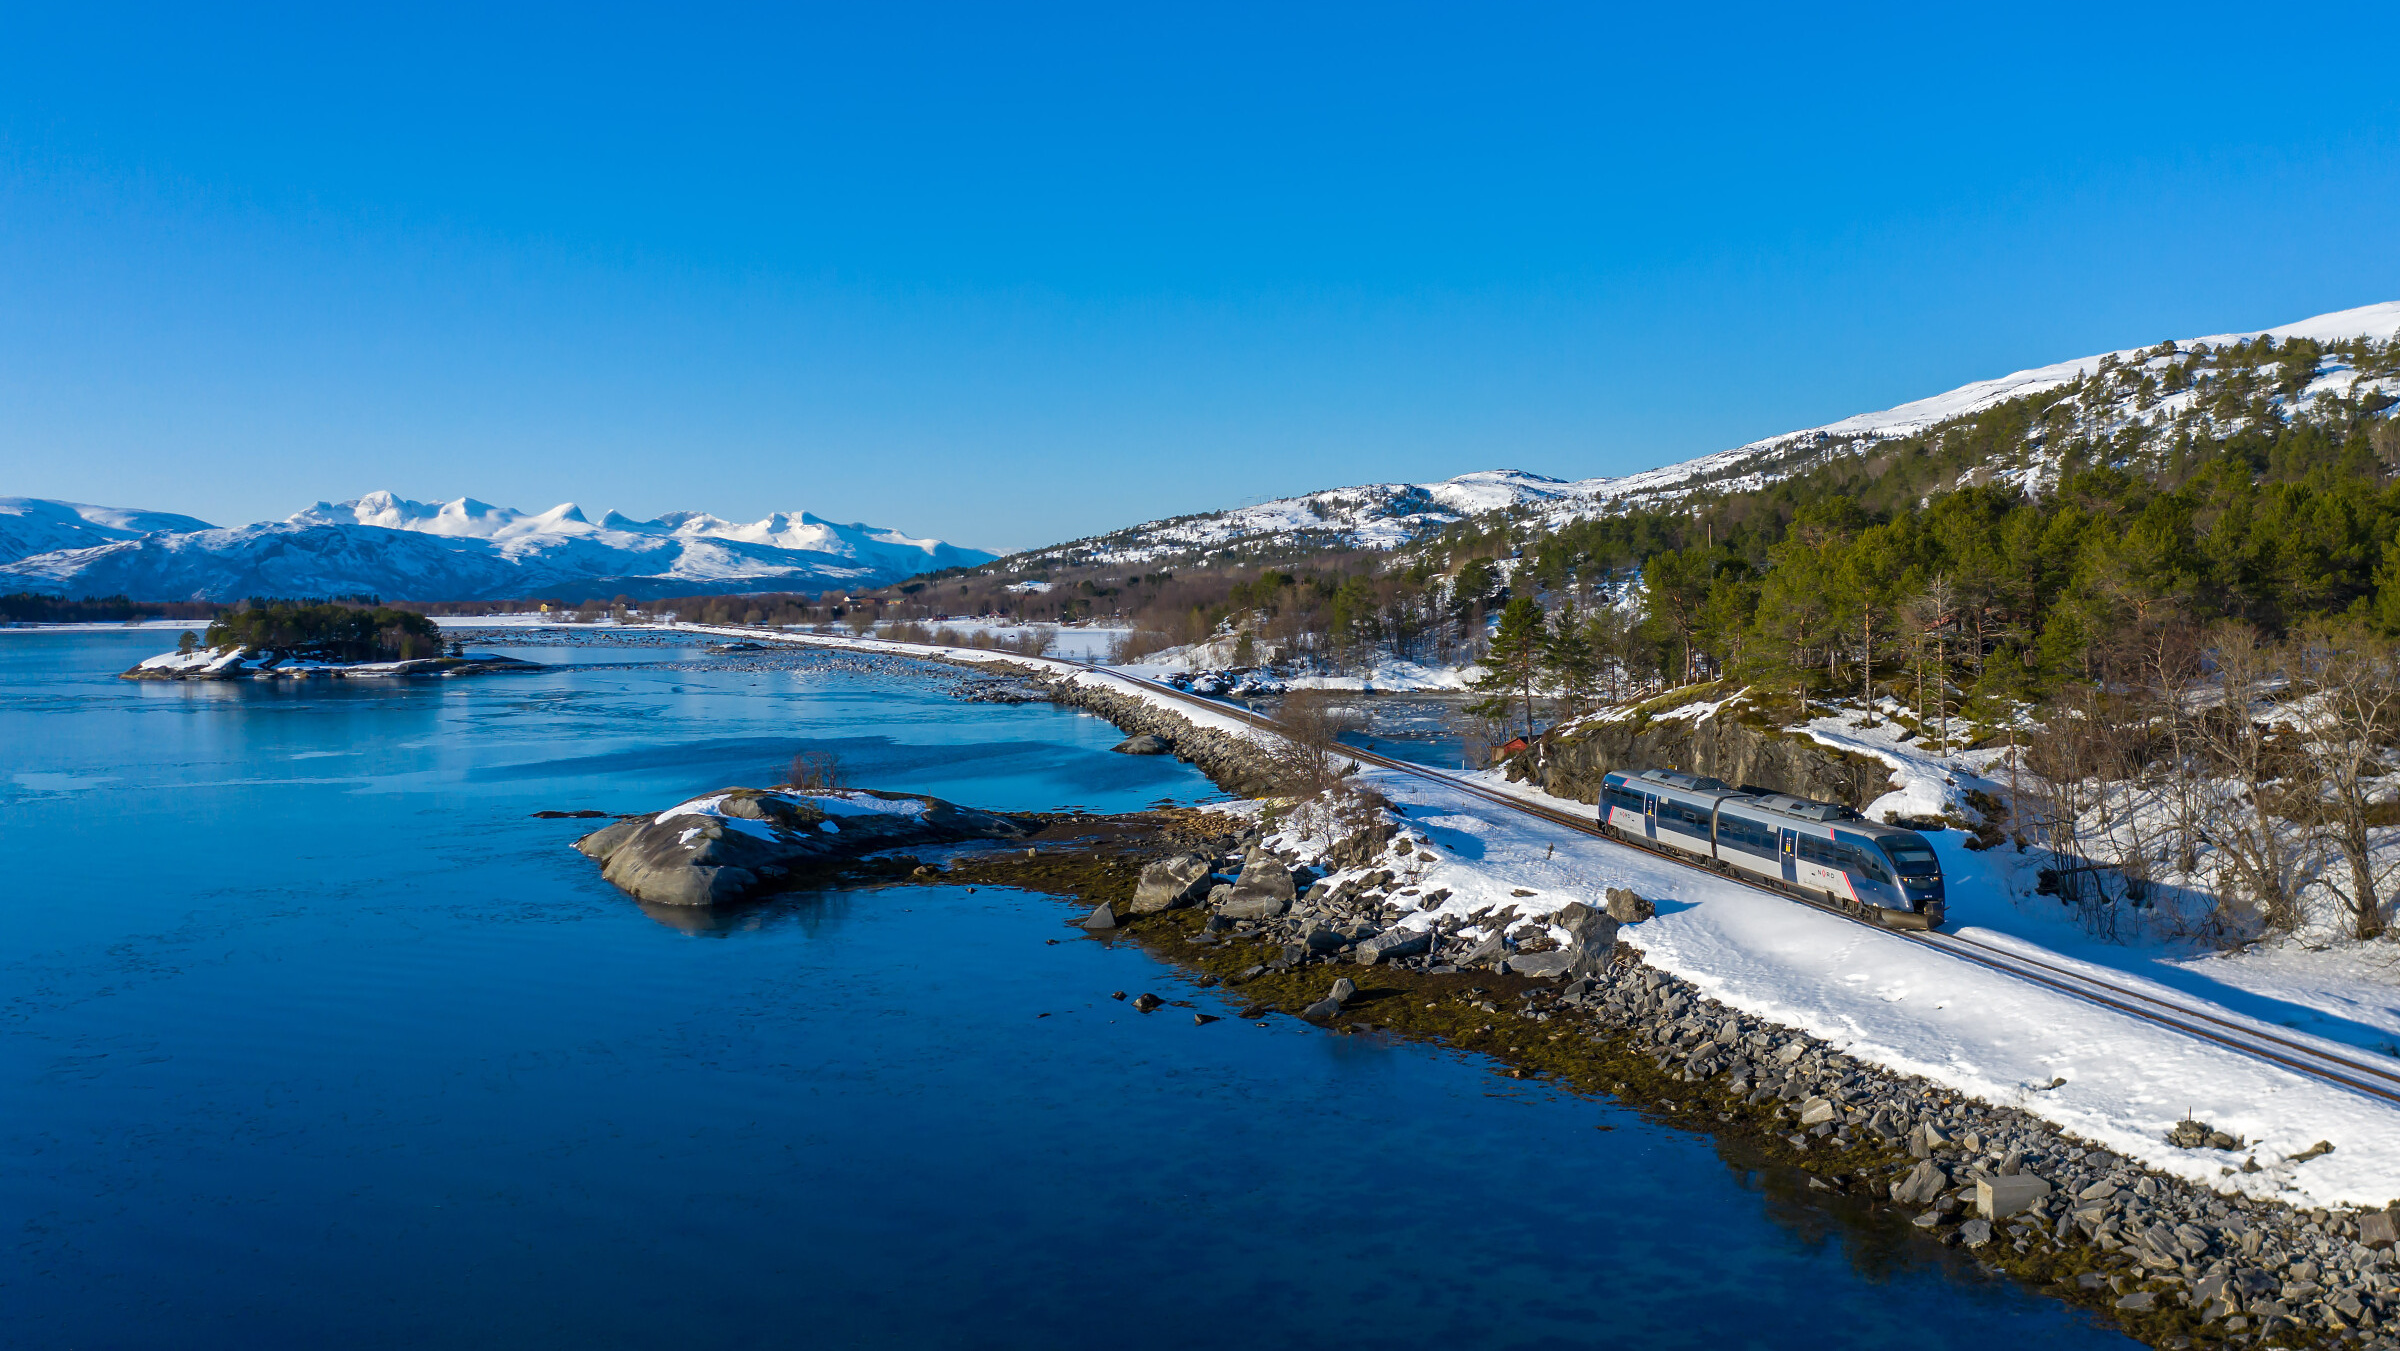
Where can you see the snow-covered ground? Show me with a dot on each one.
(1895, 1002)
(1913, 1008)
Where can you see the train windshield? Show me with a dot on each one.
(1913, 858)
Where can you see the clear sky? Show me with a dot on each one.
(1009, 274)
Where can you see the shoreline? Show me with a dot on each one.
(2104, 1238)
(2173, 1263)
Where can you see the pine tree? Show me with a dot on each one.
(1514, 665)
(1571, 664)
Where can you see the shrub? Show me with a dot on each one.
(815, 770)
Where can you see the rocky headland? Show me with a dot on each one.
(736, 843)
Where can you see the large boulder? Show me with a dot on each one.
(1391, 943)
(1541, 965)
(1148, 743)
(1922, 1187)
(1626, 906)
(1263, 891)
(1170, 884)
(733, 843)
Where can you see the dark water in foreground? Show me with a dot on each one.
(309, 1036)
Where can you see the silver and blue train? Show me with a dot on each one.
(1819, 850)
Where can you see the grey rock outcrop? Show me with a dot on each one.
(1170, 884)
(1148, 743)
(733, 843)
(1569, 760)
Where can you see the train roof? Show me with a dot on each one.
(1784, 804)
(1761, 799)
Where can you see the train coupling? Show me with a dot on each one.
(1901, 919)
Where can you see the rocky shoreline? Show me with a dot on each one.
(1307, 931)
(2173, 1264)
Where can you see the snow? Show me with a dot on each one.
(463, 549)
(1384, 516)
(838, 802)
(36, 525)
(1898, 1003)
(198, 659)
(1910, 1006)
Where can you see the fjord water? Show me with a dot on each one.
(314, 1036)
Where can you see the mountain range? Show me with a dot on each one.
(2136, 408)
(2135, 398)
(463, 550)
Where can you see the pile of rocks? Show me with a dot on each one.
(1239, 682)
(1996, 1180)
(1000, 690)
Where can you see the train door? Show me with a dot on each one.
(1650, 815)
(1790, 854)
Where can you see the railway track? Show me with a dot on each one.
(2359, 1075)
(2380, 1081)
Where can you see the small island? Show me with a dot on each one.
(735, 843)
(286, 640)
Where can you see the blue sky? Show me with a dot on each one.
(1014, 274)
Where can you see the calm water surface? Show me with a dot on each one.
(311, 1036)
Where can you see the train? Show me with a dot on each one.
(1822, 851)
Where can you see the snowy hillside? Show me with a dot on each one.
(1370, 516)
(2203, 385)
(33, 525)
(460, 550)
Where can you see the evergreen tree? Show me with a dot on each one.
(1570, 663)
(1514, 665)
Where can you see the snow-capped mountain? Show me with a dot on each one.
(466, 550)
(1371, 516)
(35, 525)
(2204, 385)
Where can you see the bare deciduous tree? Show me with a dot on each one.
(1311, 758)
(2348, 707)
(2261, 859)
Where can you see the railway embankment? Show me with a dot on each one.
(1405, 921)
(1304, 919)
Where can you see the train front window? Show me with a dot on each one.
(1911, 858)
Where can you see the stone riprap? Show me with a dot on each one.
(731, 844)
(2171, 1258)
(2179, 1264)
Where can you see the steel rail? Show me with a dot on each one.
(2372, 1080)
